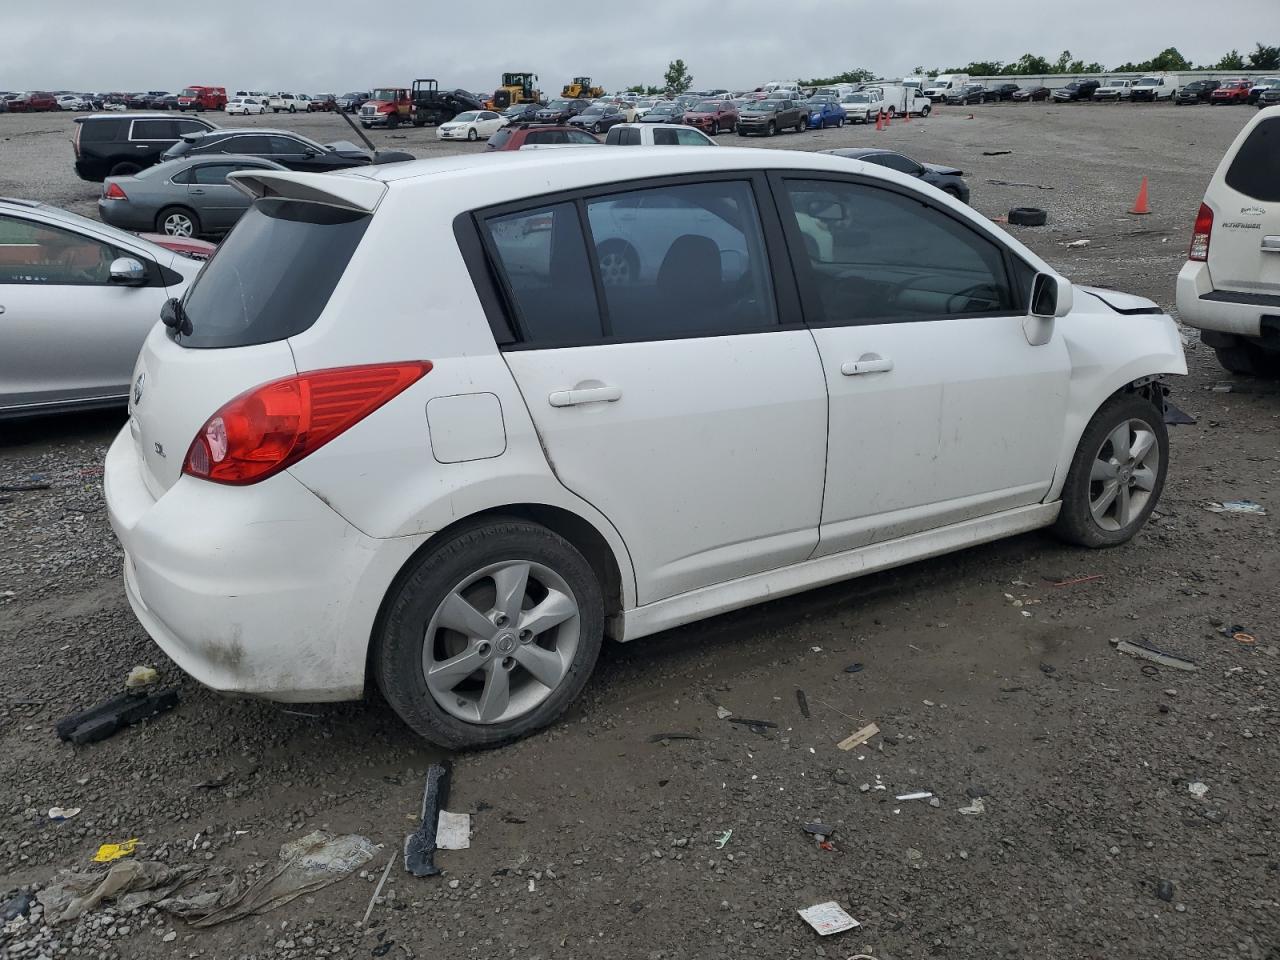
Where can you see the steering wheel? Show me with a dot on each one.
(969, 293)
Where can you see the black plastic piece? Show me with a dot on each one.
(100, 722)
(420, 847)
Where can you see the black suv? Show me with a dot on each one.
(118, 144)
(1076, 91)
(1197, 91)
(562, 110)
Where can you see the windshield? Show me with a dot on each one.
(595, 110)
(665, 108)
(558, 105)
(761, 106)
(644, 103)
(707, 106)
(189, 92)
(390, 93)
(466, 117)
(1148, 82)
(857, 98)
(272, 276)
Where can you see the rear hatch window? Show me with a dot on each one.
(271, 278)
(1253, 171)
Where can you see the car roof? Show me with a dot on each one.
(203, 159)
(138, 115)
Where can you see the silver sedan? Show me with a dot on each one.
(188, 197)
(77, 299)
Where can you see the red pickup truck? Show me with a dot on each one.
(33, 103)
(197, 98)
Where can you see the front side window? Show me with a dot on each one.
(876, 256)
(665, 137)
(35, 253)
(687, 137)
(216, 173)
(683, 260)
(1253, 171)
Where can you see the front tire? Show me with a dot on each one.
(1117, 473)
(489, 635)
(773, 129)
(472, 135)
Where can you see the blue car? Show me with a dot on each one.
(826, 113)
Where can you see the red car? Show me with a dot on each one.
(1233, 91)
(516, 135)
(33, 103)
(713, 116)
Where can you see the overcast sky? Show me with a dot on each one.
(283, 44)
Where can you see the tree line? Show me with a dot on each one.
(1263, 57)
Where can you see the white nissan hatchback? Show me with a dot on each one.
(799, 369)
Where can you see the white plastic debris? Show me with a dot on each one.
(1238, 506)
(453, 831)
(63, 813)
(1078, 243)
(976, 808)
(140, 677)
(723, 713)
(917, 795)
(1198, 789)
(828, 918)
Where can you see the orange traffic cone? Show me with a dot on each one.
(906, 115)
(880, 120)
(888, 118)
(1141, 205)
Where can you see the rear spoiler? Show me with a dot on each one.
(340, 190)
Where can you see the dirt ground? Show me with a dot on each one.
(989, 672)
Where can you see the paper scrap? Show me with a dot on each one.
(917, 795)
(859, 738)
(828, 918)
(453, 831)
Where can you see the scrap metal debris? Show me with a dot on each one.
(1015, 183)
(98, 723)
(1238, 506)
(1146, 652)
(420, 847)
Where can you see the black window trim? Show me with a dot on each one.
(1009, 260)
(497, 300)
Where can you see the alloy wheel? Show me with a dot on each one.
(1124, 475)
(178, 225)
(501, 641)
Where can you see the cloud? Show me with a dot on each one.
(283, 44)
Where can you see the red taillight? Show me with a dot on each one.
(268, 428)
(1201, 235)
(114, 192)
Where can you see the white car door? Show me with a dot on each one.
(67, 333)
(941, 410)
(489, 124)
(667, 393)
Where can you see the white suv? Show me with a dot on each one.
(1230, 284)
(289, 102)
(796, 369)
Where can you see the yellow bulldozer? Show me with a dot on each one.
(581, 89)
(516, 88)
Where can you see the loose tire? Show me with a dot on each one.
(512, 600)
(178, 222)
(1117, 473)
(1028, 217)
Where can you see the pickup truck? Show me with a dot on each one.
(770, 116)
(657, 135)
(288, 101)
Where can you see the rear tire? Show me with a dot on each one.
(178, 222)
(1248, 360)
(924, 111)
(455, 576)
(124, 170)
(1117, 474)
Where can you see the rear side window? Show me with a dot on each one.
(664, 137)
(183, 127)
(100, 131)
(548, 277)
(1255, 171)
(155, 130)
(499, 139)
(271, 278)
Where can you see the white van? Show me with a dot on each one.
(1153, 87)
(1230, 285)
(938, 88)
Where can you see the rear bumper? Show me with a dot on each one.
(1242, 317)
(124, 215)
(260, 590)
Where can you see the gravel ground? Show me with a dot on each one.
(989, 673)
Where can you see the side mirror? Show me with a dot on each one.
(1051, 297)
(128, 272)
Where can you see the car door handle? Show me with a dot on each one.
(580, 395)
(867, 363)
(1271, 244)
(197, 193)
